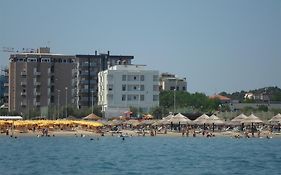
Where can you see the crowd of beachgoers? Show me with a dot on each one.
(173, 125)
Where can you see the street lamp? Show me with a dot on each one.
(174, 101)
(92, 101)
(66, 102)
(58, 103)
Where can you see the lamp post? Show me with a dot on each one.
(92, 101)
(66, 102)
(58, 103)
(174, 101)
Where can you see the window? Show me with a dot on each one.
(52, 88)
(141, 97)
(123, 87)
(142, 87)
(123, 77)
(142, 78)
(155, 88)
(172, 88)
(110, 97)
(110, 87)
(123, 97)
(183, 88)
(52, 99)
(155, 77)
(155, 97)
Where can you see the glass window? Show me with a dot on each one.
(123, 77)
(123, 97)
(155, 77)
(142, 77)
(155, 97)
(155, 87)
(141, 97)
(123, 87)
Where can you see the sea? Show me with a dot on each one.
(139, 155)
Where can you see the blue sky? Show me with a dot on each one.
(218, 45)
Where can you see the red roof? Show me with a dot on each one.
(220, 97)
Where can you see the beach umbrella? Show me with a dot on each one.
(201, 120)
(214, 120)
(251, 119)
(275, 119)
(168, 117)
(237, 120)
(179, 118)
(91, 116)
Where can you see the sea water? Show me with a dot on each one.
(139, 155)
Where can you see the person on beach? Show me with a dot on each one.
(7, 132)
(187, 133)
(194, 133)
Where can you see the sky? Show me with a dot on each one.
(218, 45)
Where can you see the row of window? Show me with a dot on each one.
(132, 87)
(131, 97)
(44, 60)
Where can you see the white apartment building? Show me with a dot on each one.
(124, 86)
(170, 82)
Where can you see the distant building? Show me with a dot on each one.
(86, 71)
(4, 86)
(169, 82)
(258, 97)
(124, 86)
(39, 80)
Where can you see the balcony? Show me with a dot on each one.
(23, 93)
(23, 103)
(37, 83)
(37, 103)
(37, 73)
(37, 93)
(23, 74)
(6, 84)
(6, 94)
(23, 83)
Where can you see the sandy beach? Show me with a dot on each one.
(131, 133)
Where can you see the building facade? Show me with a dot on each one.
(4, 87)
(124, 86)
(40, 80)
(86, 75)
(169, 82)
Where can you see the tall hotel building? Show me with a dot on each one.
(40, 80)
(86, 75)
(124, 86)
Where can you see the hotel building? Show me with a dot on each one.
(124, 86)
